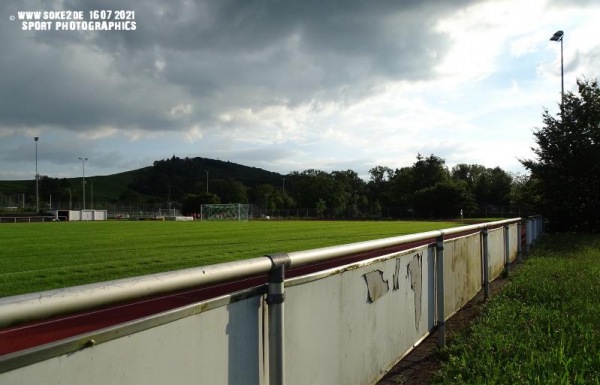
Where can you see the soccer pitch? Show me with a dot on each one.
(44, 256)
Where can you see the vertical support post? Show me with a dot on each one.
(562, 81)
(528, 231)
(37, 178)
(485, 264)
(519, 243)
(275, 299)
(441, 319)
(506, 250)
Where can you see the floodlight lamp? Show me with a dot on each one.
(558, 35)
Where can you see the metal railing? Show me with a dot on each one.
(38, 306)
(31, 219)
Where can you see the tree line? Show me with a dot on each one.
(427, 189)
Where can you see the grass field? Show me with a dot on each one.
(543, 328)
(43, 256)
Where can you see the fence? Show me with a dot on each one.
(351, 312)
(30, 219)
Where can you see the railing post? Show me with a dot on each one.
(275, 299)
(441, 319)
(519, 243)
(485, 267)
(506, 250)
(528, 231)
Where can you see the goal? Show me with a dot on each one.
(224, 212)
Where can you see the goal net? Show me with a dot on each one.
(225, 212)
(168, 213)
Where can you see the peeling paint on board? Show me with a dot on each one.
(376, 285)
(414, 271)
(396, 275)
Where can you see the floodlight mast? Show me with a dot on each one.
(83, 179)
(559, 36)
(37, 178)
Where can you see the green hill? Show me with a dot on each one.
(172, 179)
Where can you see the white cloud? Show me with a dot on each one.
(194, 134)
(480, 33)
(99, 132)
(181, 110)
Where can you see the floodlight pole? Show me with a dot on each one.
(83, 179)
(169, 199)
(559, 36)
(91, 194)
(206, 171)
(37, 177)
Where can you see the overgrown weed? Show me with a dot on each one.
(543, 328)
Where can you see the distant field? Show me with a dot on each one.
(44, 256)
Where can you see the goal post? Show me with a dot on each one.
(224, 212)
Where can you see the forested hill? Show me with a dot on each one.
(192, 174)
(174, 176)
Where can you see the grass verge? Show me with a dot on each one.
(44, 256)
(543, 328)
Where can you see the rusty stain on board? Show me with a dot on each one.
(376, 285)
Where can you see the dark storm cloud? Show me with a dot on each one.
(212, 56)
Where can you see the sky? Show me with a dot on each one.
(283, 85)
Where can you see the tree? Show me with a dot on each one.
(469, 173)
(489, 186)
(524, 192)
(444, 200)
(308, 186)
(493, 187)
(402, 186)
(567, 169)
(380, 175)
(192, 202)
(230, 191)
(261, 195)
(320, 207)
(347, 190)
(379, 188)
(429, 171)
(420, 179)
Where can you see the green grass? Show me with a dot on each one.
(43, 256)
(543, 328)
